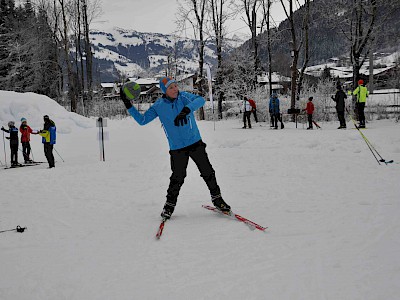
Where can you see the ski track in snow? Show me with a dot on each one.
(331, 211)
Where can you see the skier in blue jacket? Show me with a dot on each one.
(275, 111)
(175, 111)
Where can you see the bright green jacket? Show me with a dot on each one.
(362, 93)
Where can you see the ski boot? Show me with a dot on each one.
(167, 211)
(220, 204)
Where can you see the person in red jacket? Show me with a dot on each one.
(25, 139)
(310, 110)
(254, 108)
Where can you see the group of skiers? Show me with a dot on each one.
(361, 93)
(48, 134)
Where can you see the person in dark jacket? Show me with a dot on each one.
(175, 110)
(13, 131)
(339, 98)
(48, 134)
(274, 110)
(26, 132)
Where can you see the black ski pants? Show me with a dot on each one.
(246, 116)
(310, 121)
(255, 114)
(341, 118)
(48, 152)
(179, 161)
(14, 154)
(26, 150)
(361, 115)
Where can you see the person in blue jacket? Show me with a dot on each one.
(48, 134)
(275, 111)
(175, 110)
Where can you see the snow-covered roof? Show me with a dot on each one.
(275, 77)
(107, 84)
(144, 81)
(184, 76)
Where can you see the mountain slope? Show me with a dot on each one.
(130, 52)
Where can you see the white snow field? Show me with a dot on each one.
(332, 213)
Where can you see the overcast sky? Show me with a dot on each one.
(158, 16)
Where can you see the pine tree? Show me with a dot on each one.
(7, 19)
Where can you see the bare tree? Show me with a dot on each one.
(296, 43)
(306, 52)
(88, 50)
(64, 33)
(251, 8)
(198, 8)
(360, 24)
(266, 20)
(218, 17)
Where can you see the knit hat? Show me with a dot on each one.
(165, 82)
(360, 82)
(23, 120)
(311, 98)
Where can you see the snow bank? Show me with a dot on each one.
(14, 106)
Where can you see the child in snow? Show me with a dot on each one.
(310, 110)
(48, 134)
(247, 109)
(26, 131)
(13, 131)
(175, 111)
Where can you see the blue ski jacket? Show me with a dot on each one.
(167, 110)
(274, 105)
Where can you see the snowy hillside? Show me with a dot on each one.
(332, 213)
(129, 51)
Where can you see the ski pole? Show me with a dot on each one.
(58, 154)
(18, 229)
(4, 146)
(33, 158)
(370, 146)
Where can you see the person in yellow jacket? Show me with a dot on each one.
(48, 134)
(362, 93)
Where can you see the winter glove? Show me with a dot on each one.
(181, 117)
(7, 137)
(124, 99)
(2, 128)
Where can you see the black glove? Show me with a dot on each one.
(181, 117)
(126, 101)
(2, 128)
(7, 137)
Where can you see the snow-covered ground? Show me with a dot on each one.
(332, 212)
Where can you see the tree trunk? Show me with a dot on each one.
(71, 80)
(89, 55)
